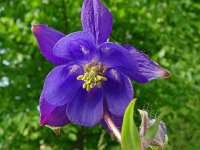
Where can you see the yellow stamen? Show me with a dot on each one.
(99, 84)
(80, 77)
(103, 79)
(93, 76)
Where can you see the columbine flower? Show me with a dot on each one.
(92, 76)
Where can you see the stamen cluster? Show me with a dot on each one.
(93, 75)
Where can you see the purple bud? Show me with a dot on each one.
(161, 136)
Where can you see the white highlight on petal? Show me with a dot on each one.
(115, 74)
(85, 50)
(73, 68)
(106, 49)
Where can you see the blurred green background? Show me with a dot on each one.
(168, 31)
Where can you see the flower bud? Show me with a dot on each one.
(161, 137)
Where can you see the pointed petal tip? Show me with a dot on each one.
(42, 122)
(37, 27)
(34, 28)
(163, 73)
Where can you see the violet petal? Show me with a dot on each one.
(86, 109)
(97, 20)
(61, 84)
(118, 91)
(77, 47)
(47, 38)
(116, 119)
(51, 115)
(115, 56)
(147, 69)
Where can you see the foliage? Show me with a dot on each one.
(168, 31)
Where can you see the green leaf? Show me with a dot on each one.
(130, 134)
(152, 131)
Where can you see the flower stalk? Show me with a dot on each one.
(112, 127)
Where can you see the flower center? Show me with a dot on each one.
(93, 76)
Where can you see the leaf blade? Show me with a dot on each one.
(130, 134)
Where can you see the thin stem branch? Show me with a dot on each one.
(112, 127)
(143, 145)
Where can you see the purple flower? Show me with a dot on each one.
(92, 75)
